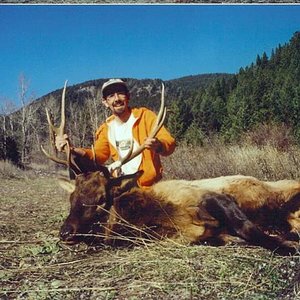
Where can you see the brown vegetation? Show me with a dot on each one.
(34, 265)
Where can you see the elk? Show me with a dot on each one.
(213, 210)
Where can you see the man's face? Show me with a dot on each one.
(117, 103)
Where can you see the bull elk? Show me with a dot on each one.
(214, 210)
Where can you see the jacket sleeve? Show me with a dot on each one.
(101, 146)
(168, 142)
(164, 136)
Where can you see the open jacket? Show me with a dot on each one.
(105, 147)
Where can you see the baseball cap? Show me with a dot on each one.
(114, 86)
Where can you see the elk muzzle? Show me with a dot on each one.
(68, 234)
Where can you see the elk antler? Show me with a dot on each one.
(59, 132)
(157, 126)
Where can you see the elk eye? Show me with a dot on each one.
(101, 200)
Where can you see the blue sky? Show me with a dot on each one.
(49, 44)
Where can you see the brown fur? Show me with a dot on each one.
(189, 211)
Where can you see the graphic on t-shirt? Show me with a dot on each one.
(124, 144)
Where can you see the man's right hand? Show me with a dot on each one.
(60, 142)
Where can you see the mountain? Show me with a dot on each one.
(228, 105)
(144, 92)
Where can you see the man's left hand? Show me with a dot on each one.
(153, 144)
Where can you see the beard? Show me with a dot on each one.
(119, 107)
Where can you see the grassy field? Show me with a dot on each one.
(35, 265)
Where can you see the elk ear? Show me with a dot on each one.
(124, 183)
(67, 185)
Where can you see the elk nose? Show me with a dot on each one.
(66, 232)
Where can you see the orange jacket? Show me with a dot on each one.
(151, 164)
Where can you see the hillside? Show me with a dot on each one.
(142, 91)
(224, 105)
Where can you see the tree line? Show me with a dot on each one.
(266, 92)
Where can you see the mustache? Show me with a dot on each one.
(117, 102)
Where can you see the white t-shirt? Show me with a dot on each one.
(120, 135)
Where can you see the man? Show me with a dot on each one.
(126, 124)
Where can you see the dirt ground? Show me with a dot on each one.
(35, 265)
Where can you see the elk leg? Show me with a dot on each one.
(226, 210)
(290, 212)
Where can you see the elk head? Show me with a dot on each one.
(91, 197)
(94, 188)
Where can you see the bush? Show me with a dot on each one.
(9, 150)
(279, 136)
(10, 170)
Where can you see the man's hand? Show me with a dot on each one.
(153, 144)
(61, 142)
(115, 168)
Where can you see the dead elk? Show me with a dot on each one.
(208, 210)
(190, 212)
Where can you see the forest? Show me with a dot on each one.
(261, 96)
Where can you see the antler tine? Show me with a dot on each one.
(161, 110)
(59, 131)
(157, 126)
(61, 127)
(54, 158)
(160, 124)
(161, 114)
(94, 156)
(49, 120)
(127, 157)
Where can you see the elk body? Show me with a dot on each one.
(190, 212)
(107, 209)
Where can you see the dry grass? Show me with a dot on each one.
(265, 163)
(8, 170)
(34, 265)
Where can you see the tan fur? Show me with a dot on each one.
(249, 192)
(175, 209)
(294, 221)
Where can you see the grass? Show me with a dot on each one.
(265, 163)
(35, 265)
